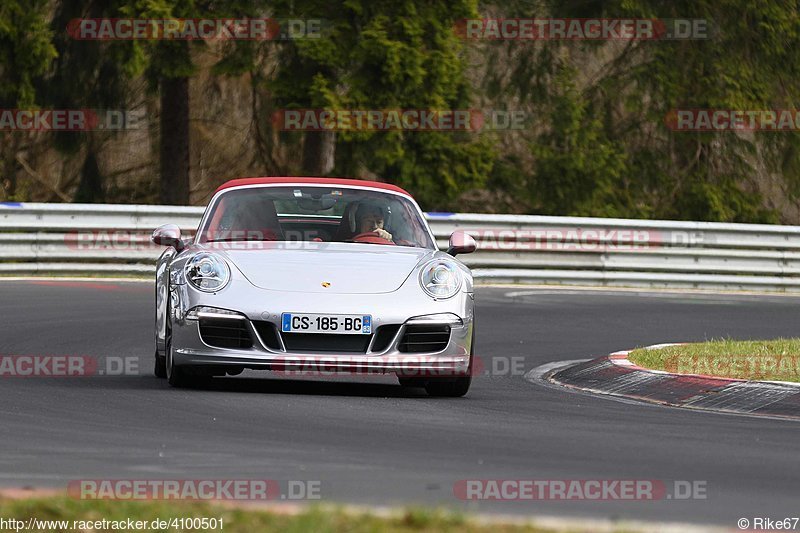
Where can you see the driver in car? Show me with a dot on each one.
(369, 218)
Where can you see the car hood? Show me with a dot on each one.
(346, 268)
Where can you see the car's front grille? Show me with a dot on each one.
(416, 339)
(225, 333)
(325, 342)
(268, 333)
(425, 338)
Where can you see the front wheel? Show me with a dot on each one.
(454, 388)
(451, 388)
(160, 367)
(411, 382)
(176, 376)
(160, 364)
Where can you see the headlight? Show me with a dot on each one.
(207, 272)
(440, 279)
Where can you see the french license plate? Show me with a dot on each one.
(314, 323)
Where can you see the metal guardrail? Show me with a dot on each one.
(114, 239)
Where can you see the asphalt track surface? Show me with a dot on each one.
(368, 442)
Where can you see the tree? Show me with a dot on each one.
(169, 70)
(25, 54)
(384, 55)
(606, 103)
(87, 74)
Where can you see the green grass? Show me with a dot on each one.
(314, 519)
(770, 360)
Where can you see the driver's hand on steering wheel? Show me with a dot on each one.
(383, 234)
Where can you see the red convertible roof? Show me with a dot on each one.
(320, 181)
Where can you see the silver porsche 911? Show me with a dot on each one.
(311, 276)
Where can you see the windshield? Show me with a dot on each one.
(305, 213)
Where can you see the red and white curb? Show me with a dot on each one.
(616, 375)
(621, 358)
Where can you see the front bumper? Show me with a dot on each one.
(260, 306)
(190, 349)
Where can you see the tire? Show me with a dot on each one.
(411, 382)
(160, 367)
(453, 388)
(176, 376)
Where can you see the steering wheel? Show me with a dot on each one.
(370, 237)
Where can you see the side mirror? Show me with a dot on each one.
(461, 242)
(168, 235)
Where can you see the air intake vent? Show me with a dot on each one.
(425, 338)
(324, 342)
(268, 333)
(384, 336)
(225, 333)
